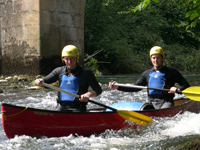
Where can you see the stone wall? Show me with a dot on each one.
(33, 33)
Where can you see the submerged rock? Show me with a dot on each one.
(33, 88)
(3, 81)
(22, 79)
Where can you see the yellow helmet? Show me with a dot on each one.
(71, 51)
(157, 50)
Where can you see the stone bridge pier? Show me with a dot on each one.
(33, 33)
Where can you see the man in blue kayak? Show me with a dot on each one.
(161, 77)
(74, 79)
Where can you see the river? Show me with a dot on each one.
(163, 134)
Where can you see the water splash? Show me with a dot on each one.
(158, 135)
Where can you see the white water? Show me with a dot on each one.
(160, 134)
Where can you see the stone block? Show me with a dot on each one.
(8, 8)
(17, 19)
(7, 21)
(80, 34)
(45, 17)
(47, 5)
(67, 20)
(17, 6)
(73, 34)
(31, 18)
(33, 33)
(65, 7)
(19, 33)
(30, 5)
(78, 21)
(34, 47)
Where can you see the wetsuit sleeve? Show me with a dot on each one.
(183, 84)
(142, 81)
(94, 83)
(53, 76)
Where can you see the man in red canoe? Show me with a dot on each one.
(161, 77)
(74, 79)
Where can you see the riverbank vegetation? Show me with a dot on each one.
(125, 36)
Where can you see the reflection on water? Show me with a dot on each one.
(164, 133)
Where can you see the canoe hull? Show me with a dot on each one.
(17, 120)
(35, 122)
(181, 105)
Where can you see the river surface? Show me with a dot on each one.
(163, 134)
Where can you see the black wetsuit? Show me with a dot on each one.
(165, 100)
(86, 80)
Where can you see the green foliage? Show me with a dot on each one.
(192, 7)
(127, 36)
(92, 64)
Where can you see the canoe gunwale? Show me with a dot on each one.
(98, 110)
(90, 111)
(174, 107)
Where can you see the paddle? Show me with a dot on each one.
(192, 92)
(128, 115)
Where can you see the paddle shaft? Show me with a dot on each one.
(144, 87)
(77, 96)
(60, 90)
(128, 115)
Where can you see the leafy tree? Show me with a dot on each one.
(126, 35)
(192, 8)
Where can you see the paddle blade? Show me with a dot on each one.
(192, 93)
(135, 117)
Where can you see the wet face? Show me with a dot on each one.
(157, 60)
(71, 62)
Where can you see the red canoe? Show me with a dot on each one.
(19, 120)
(180, 106)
